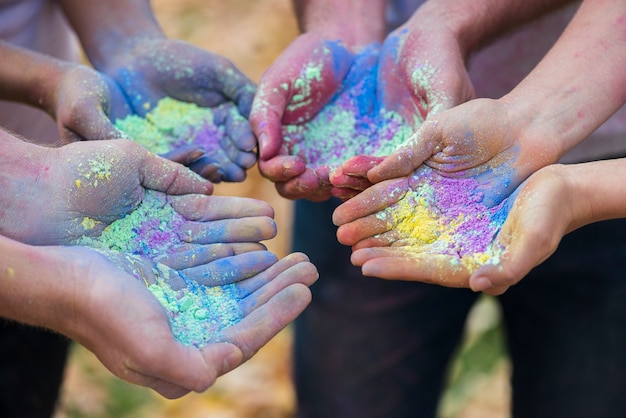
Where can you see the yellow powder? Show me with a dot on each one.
(88, 223)
(415, 222)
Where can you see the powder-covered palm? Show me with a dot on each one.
(58, 195)
(292, 92)
(153, 69)
(135, 341)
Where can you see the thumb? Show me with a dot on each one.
(410, 155)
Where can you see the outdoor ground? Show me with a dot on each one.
(252, 33)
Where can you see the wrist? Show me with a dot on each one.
(355, 23)
(24, 174)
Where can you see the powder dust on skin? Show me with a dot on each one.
(172, 124)
(351, 124)
(443, 215)
(197, 313)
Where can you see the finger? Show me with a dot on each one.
(282, 168)
(346, 181)
(313, 185)
(359, 165)
(443, 270)
(176, 369)
(263, 323)
(185, 154)
(384, 239)
(249, 286)
(195, 255)
(250, 229)
(228, 270)
(343, 193)
(204, 208)
(408, 157)
(303, 273)
(266, 116)
(166, 176)
(362, 228)
(237, 128)
(371, 200)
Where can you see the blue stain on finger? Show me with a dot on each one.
(231, 269)
(252, 229)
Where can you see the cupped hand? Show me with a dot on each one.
(479, 139)
(58, 195)
(86, 104)
(420, 72)
(425, 220)
(292, 92)
(134, 340)
(541, 213)
(155, 68)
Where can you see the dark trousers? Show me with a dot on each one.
(32, 362)
(369, 348)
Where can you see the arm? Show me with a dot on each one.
(67, 289)
(82, 101)
(500, 143)
(576, 87)
(423, 66)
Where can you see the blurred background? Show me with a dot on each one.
(252, 33)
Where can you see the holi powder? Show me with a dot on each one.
(351, 124)
(173, 124)
(197, 313)
(445, 216)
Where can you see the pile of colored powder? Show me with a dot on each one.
(172, 124)
(352, 123)
(197, 313)
(445, 216)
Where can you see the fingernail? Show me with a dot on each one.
(480, 284)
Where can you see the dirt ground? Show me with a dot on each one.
(251, 33)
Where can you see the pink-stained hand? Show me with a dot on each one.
(154, 68)
(421, 72)
(292, 91)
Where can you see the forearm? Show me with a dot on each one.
(596, 191)
(28, 77)
(579, 84)
(106, 27)
(477, 23)
(22, 171)
(33, 285)
(357, 23)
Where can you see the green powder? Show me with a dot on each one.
(197, 313)
(172, 124)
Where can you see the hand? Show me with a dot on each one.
(134, 339)
(88, 185)
(291, 92)
(421, 72)
(425, 220)
(479, 139)
(543, 210)
(156, 68)
(85, 103)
